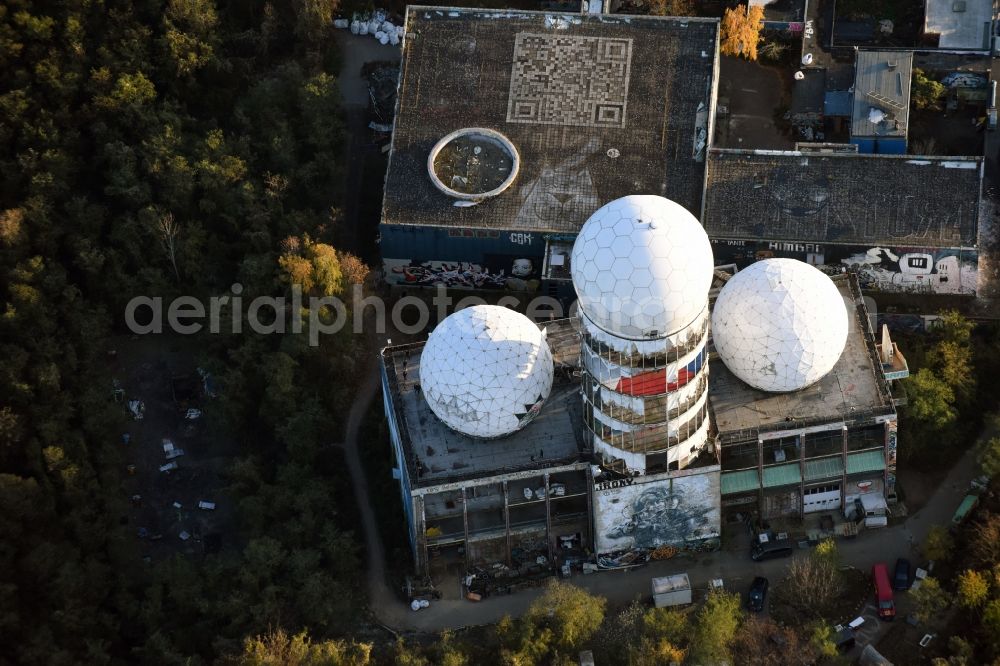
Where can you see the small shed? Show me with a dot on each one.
(671, 590)
(881, 107)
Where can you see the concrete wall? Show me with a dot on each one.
(650, 511)
(400, 464)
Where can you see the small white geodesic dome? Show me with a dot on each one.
(486, 370)
(780, 325)
(642, 267)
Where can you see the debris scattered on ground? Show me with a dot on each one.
(170, 451)
(208, 386)
(137, 408)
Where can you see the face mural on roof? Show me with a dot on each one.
(565, 192)
(797, 193)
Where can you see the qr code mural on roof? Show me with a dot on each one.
(569, 80)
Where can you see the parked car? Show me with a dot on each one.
(771, 550)
(758, 594)
(901, 577)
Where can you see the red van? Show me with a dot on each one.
(883, 592)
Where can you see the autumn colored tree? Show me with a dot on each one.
(930, 399)
(939, 544)
(990, 459)
(926, 92)
(715, 628)
(740, 31)
(671, 7)
(554, 627)
(984, 546)
(278, 648)
(973, 589)
(816, 580)
(930, 599)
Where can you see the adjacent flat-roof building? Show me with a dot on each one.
(817, 449)
(472, 501)
(959, 24)
(595, 108)
(881, 106)
(541, 491)
(906, 224)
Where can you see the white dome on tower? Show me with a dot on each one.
(642, 267)
(486, 370)
(780, 325)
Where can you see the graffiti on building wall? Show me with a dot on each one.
(500, 272)
(937, 271)
(856, 489)
(891, 446)
(879, 268)
(656, 510)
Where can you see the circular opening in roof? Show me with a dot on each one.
(473, 163)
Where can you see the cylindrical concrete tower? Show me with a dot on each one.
(642, 269)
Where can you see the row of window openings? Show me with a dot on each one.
(819, 490)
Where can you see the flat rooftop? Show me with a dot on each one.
(597, 107)
(881, 93)
(853, 390)
(437, 454)
(961, 24)
(895, 200)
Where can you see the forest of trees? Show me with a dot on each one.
(164, 148)
(167, 147)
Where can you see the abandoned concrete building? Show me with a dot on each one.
(903, 223)
(572, 110)
(543, 491)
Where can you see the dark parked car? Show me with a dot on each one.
(901, 579)
(758, 594)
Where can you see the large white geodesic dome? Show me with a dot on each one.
(780, 325)
(642, 267)
(486, 370)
